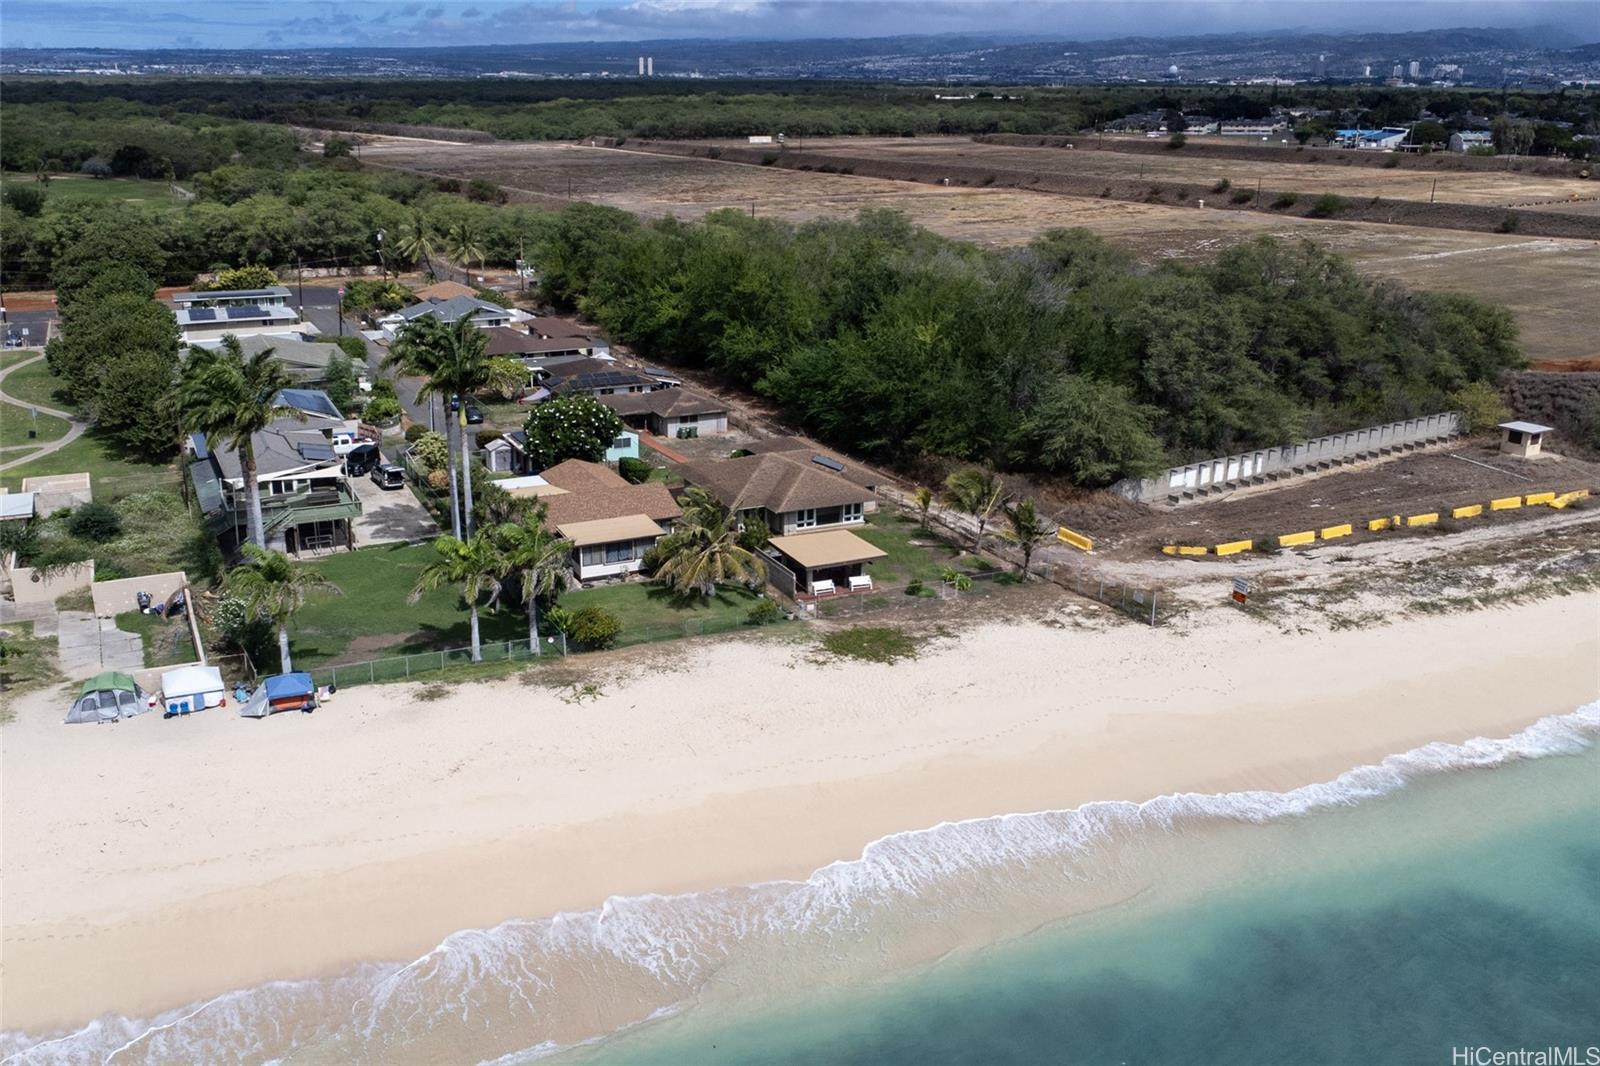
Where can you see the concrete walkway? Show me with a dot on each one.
(75, 427)
(86, 645)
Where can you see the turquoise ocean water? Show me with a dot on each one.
(1446, 898)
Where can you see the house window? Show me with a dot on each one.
(806, 519)
(688, 419)
(1514, 435)
(853, 512)
(622, 443)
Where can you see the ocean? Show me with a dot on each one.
(1448, 898)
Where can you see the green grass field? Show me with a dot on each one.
(112, 475)
(372, 619)
(126, 190)
(915, 554)
(34, 384)
(17, 422)
(167, 641)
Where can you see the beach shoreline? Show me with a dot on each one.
(152, 863)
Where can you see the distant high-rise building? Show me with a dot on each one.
(1399, 71)
(1366, 71)
(1319, 69)
(641, 66)
(1415, 69)
(649, 66)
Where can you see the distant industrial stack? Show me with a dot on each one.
(641, 66)
(649, 66)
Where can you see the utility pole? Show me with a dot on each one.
(752, 209)
(1435, 190)
(300, 277)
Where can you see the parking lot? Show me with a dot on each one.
(390, 516)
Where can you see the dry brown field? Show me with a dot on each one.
(1551, 284)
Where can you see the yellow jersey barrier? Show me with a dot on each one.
(1376, 525)
(1077, 540)
(1505, 503)
(1467, 512)
(1422, 519)
(1335, 532)
(1534, 499)
(1234, 547)
(1290, 540)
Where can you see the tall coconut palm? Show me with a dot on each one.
(1025, 529)
(465, 243)
(977, 492)
(230, 397)
(451, 361)
(704, 550)
(536, 559)
(415, 243)
(471, 565)
(272, 585)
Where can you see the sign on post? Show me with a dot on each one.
(1241, 590)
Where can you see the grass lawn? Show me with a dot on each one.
(105, 190)
(35, 384)
(372, 619)
(112, 475)
(915, 554)
(17, 422)
(167, 641)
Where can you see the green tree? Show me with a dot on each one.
(337, 148)
(977, 492)
(270, 584)
(1480, 406)
(230, 397)
(704, 550)
(923, 498)
(1026, 530)
(537, 561)
(415, 242)
(339, 381)
(245, 277)
(465, 244)
(473, 567)
(570, 427)
(136, 400)
(1089, 430)
(505, 377)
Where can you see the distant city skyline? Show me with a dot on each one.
(434, 23)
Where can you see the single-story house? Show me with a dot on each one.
(610, 522)
(305, 360)
(597, 377)
(581, 339)
(823, 562)
(274, 296)
(484, 315)
(1466, 140)
(200, 323)
(832, 461)
(671, 412)
(790, 491)
(444, 290)
(1386, 139)
(507, 340)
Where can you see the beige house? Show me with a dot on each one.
(824, 563)
(792, 492)
(1522, 439)
(610, 522)
(671, 412)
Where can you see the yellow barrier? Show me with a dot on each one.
(1234, 547)
(1467, 512)
(1169, 549)
(1334, 532)
(1291, 540)
(1534, 499)
(1505, 503)
(1077, 540)
(1561, 501)
(1377, 524)
(1191, 551)
(1423, 519)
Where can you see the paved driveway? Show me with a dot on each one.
(390, 515)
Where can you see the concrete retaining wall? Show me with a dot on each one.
(115, 597)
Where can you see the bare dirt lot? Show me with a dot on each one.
(1545, 281)
(1412, 485)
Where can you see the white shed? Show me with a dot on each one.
(1522, 439)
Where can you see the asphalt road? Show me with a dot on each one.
(321, 310)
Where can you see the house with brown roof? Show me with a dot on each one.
(610, 522)
(671, 412)
(791, 492)
(508, 340)
(444, 290)
(846, 468)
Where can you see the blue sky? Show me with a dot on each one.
(399, 23)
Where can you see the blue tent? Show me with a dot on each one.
(281, 692)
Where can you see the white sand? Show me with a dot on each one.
(151, 862)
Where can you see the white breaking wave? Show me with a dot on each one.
(493, 993)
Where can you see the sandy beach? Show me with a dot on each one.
(152, 862)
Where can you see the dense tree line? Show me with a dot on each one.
(1063, 357)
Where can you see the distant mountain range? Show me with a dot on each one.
(1486, 55)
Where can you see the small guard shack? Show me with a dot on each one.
(1523, 439)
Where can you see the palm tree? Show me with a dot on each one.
(704, 550)
(451, 360)
(232, 396)
(415, 243)
(474, 565)
(923, 498)
(465, 243)
(536, 559)
(272, 585)
(1026, 530)
(977, 492)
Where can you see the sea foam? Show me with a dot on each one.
(502, 994)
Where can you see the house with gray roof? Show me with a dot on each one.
(792, 492)
(483, 314)
(670, 412)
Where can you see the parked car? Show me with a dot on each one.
(362, 458)
(389, 476)
(474, 412)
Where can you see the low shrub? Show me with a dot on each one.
(876, 644)
(1176, 141)
(1392, 162)
(633, 471)
(381, 409)
(914, 587)
(1284, 200)
(764, 613)
(1326, 206)
(1509, 224)
(595, 627)
(97, 522)
(1222, 186)
(415, 432)
(769, 159)
(1242, 196)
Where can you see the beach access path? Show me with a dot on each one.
(209, 852)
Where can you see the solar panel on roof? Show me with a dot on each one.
(202, 314)
(244, 311)
(831, 464)
(314, 452)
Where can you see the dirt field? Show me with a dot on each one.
(1543, 280)
(1413, 485)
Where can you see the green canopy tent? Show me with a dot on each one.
(107, 697)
